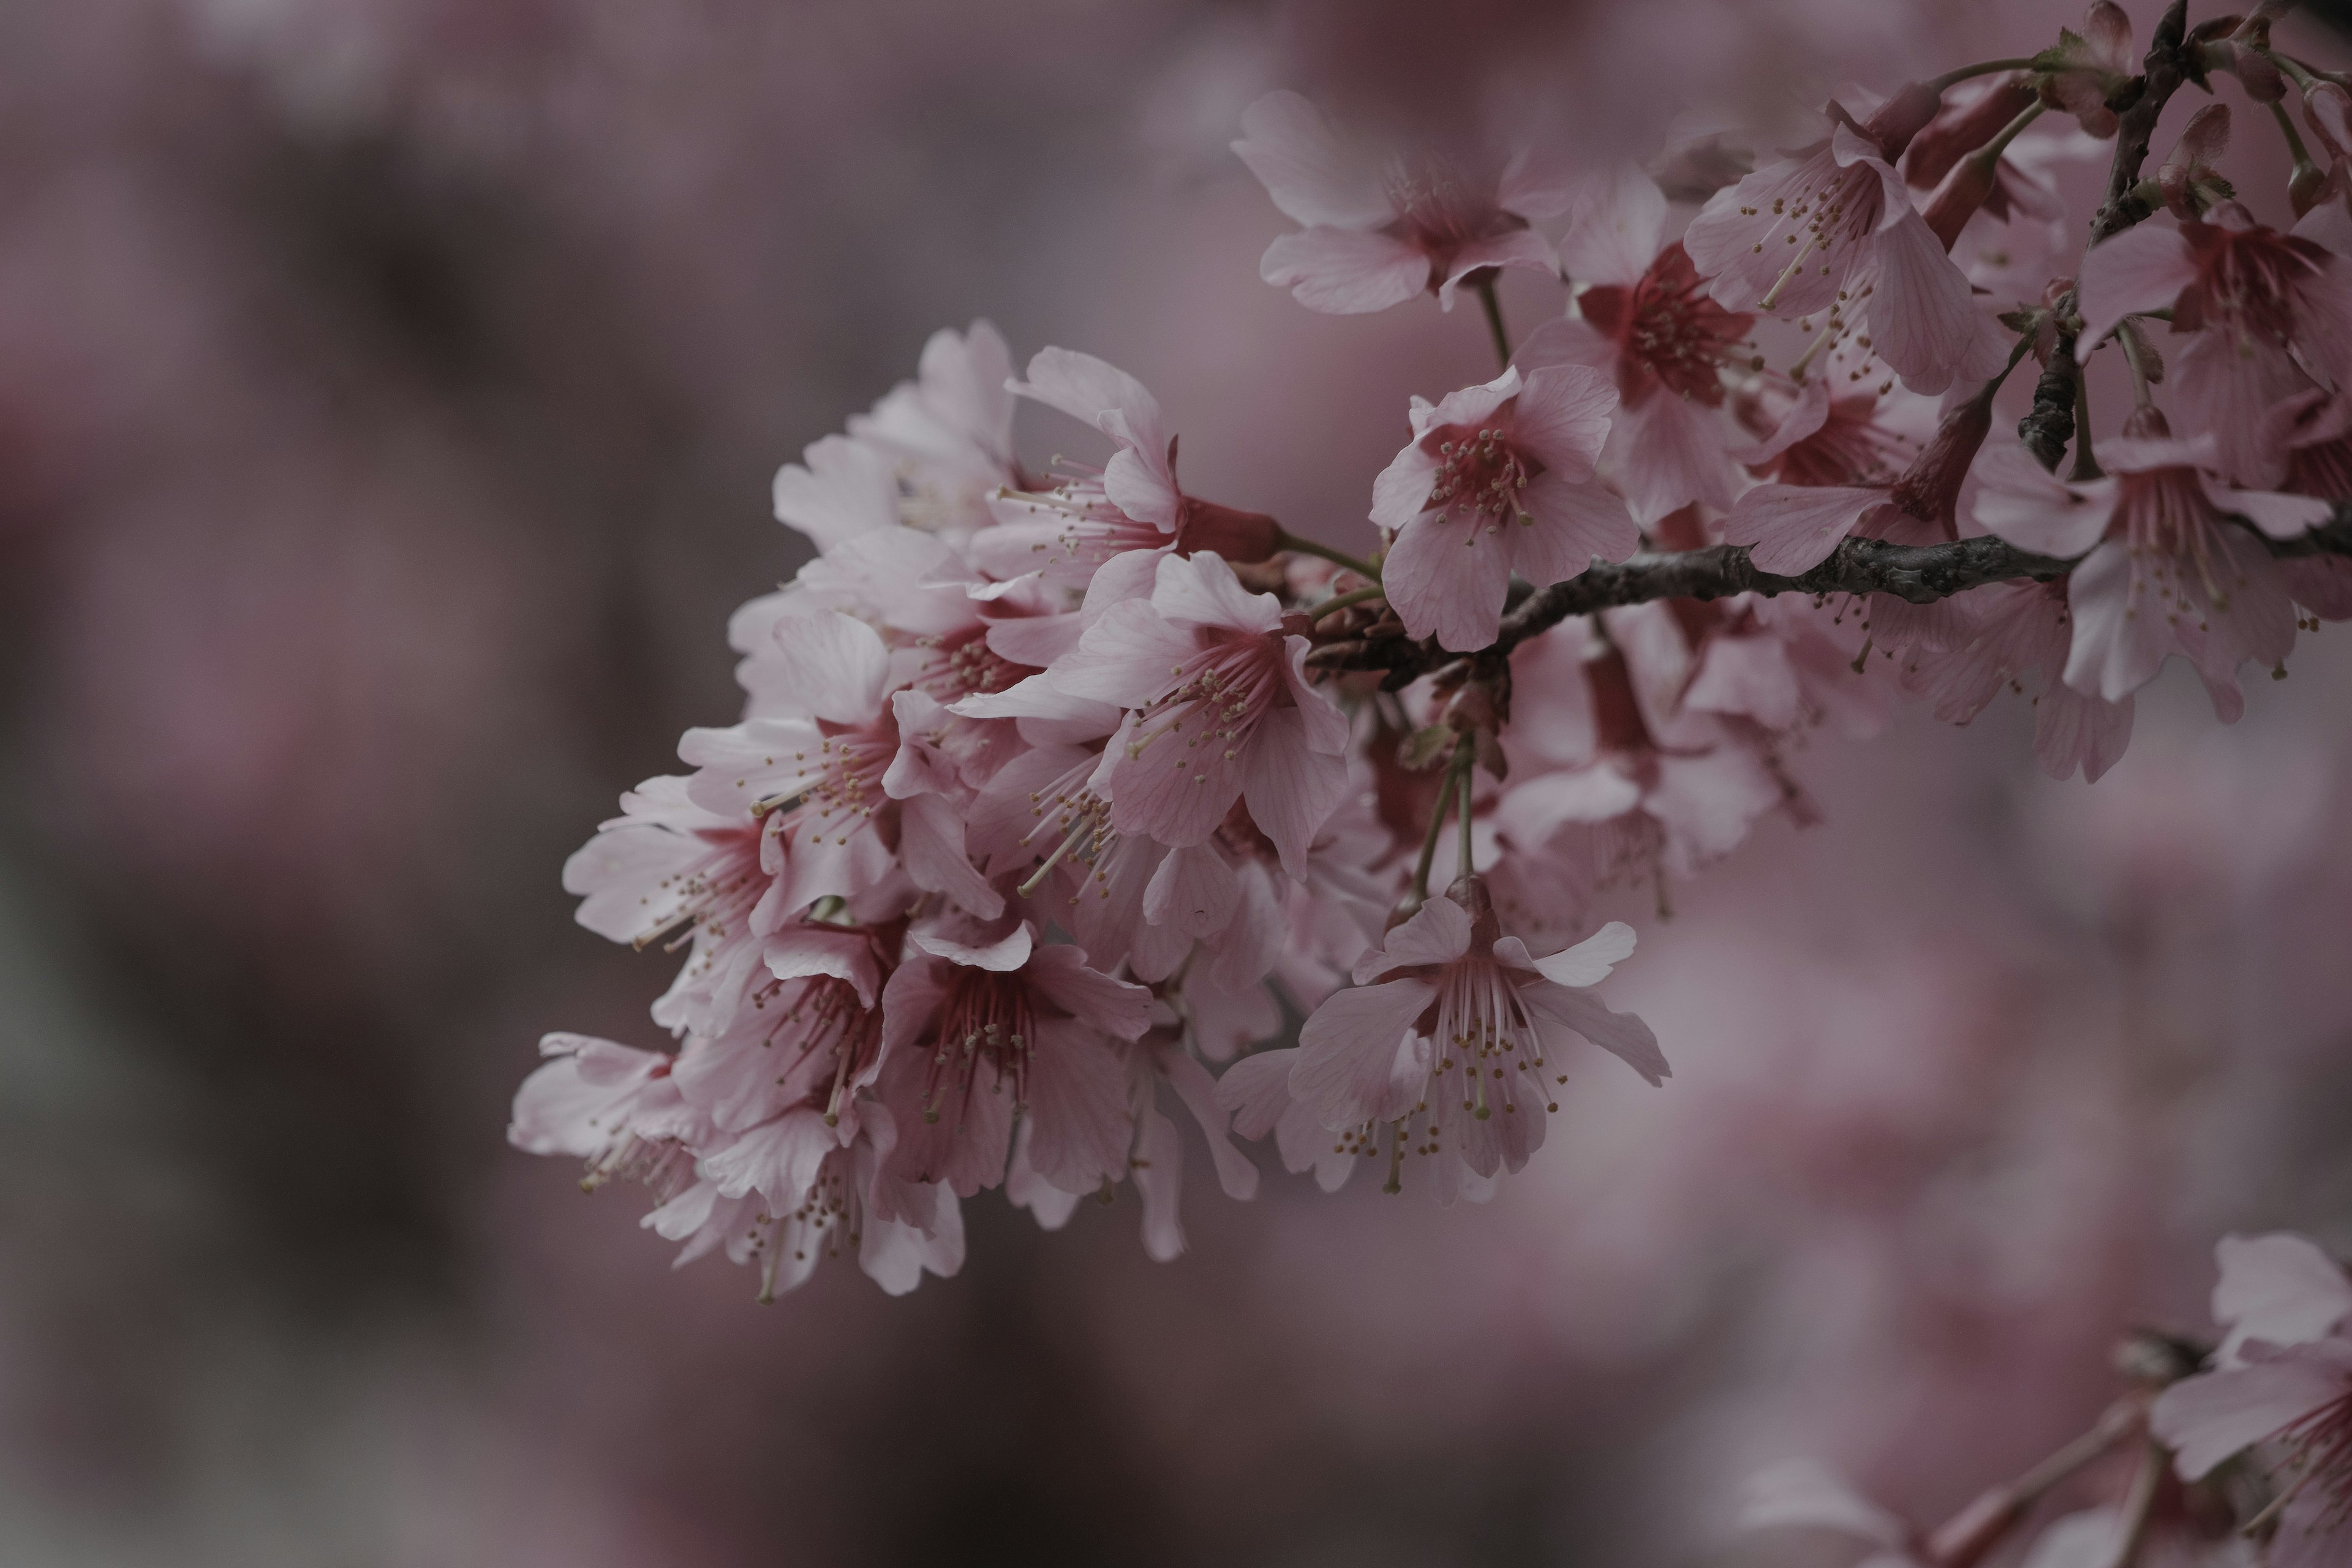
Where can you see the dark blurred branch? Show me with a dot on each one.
(2049, 425)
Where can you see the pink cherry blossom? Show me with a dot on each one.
(1644, 320)
(2017, 632)
(1220, 710)
(1497, 478)
(1831, 231)
(2284, 1377)
(1443, 1040)
(2168, 571)
(2256, 307)
(975, 1033)
(1380, 232)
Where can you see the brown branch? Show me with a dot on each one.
(2049, 425)
(1920, 574)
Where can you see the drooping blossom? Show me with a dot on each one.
(1380, 231)
(1103, 531)
(1498, 480)
(853, 790)
(1793, 527)
(1445, 1041)
(2016, 632)
(2082, 70)
(1219, 710)
(1642, 318)
(2314, 432)
(2168, 569)
(1644, 795)
(2282, 1380)
(2260, 311)
(1830, 231)
(977, 1033)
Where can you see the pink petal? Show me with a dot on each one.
(1924, 320)
(2072, 730)
(1402, 489)
(2145, 268)
(1078, 1110)
(1665, 452)
(2024, 504)
(1447, 581)
(2115, 652)
(1793, 528)
(2280, 516)
(1589, 960)
(1116, 1007)
(1615, 223)
(1143, 487)
(834, 664)
(800, 951)
(1097, 392)
(1518, 247)
(2226, 390)
(1257, 1091)
(1344, 271)
(2279, 1288)
(1002, 956)
(930, 843)
(1622, 1034)
(2207, 1418)
(1202, 590)
(1292, 788)
(1157, 1172)
(841, 489)
(1573, 524)
(1307, 169)
(1437, 933)
(1203, 1096)
(1194, 891)
(1561, 417)
(1347, 1053)
(1125, 656)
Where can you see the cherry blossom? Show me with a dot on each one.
(1380, 232)
(1497, 478)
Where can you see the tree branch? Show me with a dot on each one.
(1920, 574)
(2049, 426)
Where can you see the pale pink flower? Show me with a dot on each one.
(2258, 308)
(2021, 631)
(949, 431)
(1644, 320)
(1255, 1090)
(615, 1107)
(1215, 679)
(976, 1034)
(2168, 571)
(1445, 1037)
(1497, 478)
(1104, 531)
(1632, 803)
(2314, 431)
(1831, 231)
(855, 789)
(803, 1027)
(2284, 1378)
(2081, 70)
(1792, 528)
(1381, 232)
(786, 1195)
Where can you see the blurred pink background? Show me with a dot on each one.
(389, 391)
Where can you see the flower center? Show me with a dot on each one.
(1479, 476)
(710, 895)
(1667, 330)
(819, 1018)
(986, 1026)
(1484, 1037)
(961, 664)
(1214, 703)
(837, 791)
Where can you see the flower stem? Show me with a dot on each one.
(2139, 1502)
(2086, 463)
(1341, 600)
(1429, 841)
(1286, 540)
(1989, 154)
(1982, 68)
(1486, 297)
(1464, 754)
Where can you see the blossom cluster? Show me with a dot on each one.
(1052, 824)
(2258, 1427)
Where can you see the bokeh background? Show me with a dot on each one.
(389, 391)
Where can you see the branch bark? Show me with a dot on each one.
(1920, 574)
(2048, 427)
